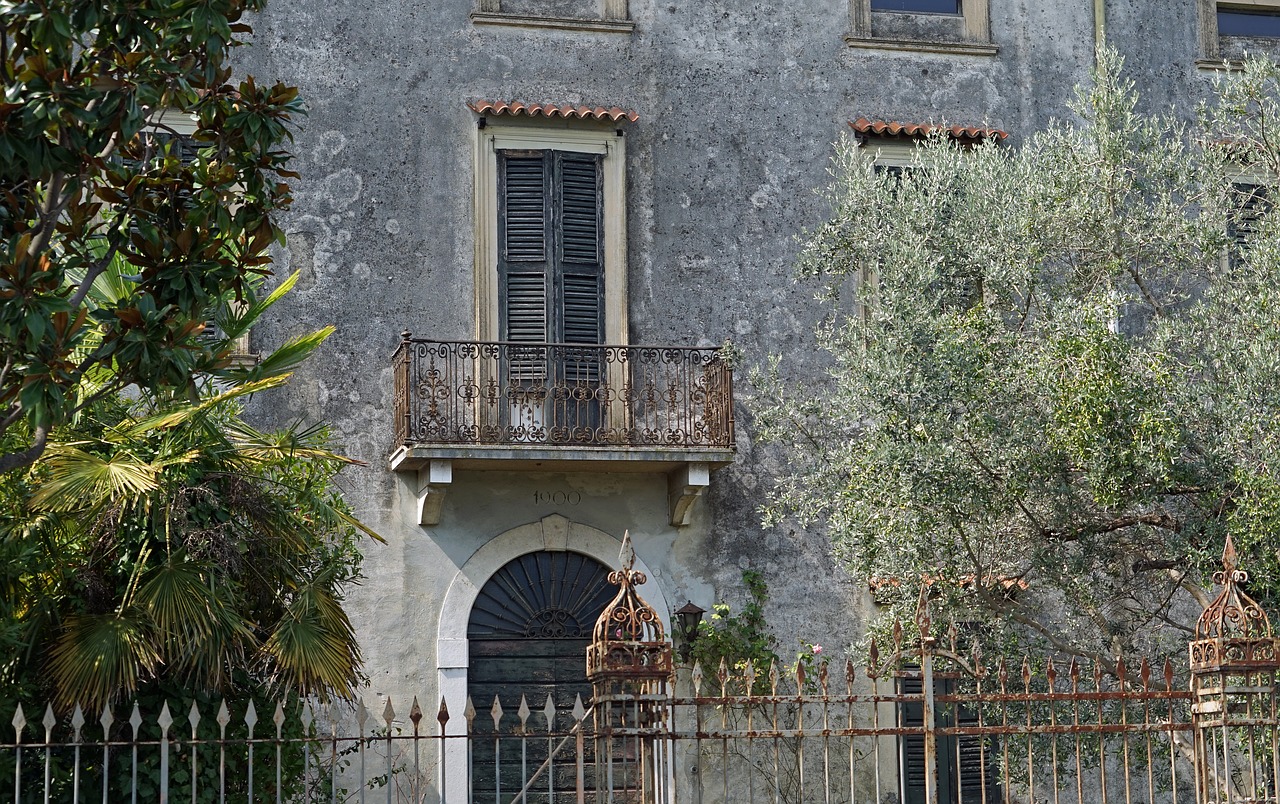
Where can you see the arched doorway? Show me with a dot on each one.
(528, 633)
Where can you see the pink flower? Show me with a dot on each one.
(817, 650)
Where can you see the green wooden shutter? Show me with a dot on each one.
(550, 227)
(523, 236)
(1249, 203)
(578, 204)
(911, 746)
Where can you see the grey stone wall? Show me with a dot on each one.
(739, 104)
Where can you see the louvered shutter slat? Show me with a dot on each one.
(580, 209)
(525, 212)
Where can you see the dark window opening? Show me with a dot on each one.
(1250, 203)
(967, 766)
(1238, 22)
(918, 6)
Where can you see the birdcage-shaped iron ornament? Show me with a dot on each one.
(629, 665)
(1234, 706)
(629, 647)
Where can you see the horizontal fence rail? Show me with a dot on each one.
(498, 394)
(828, 734)
(927, 724)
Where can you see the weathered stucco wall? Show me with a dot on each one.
(739, 103)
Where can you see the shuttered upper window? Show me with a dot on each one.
(551, 280)
(551, 237)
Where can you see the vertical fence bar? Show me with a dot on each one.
(224, 718)
(470, 714)
(362, 717)
(19, 723)
(49, 722)
(106, 720)
(549, 713)
(1144, 675)
(1173, 748)
(135, 720)
(1051, 676)
(579, 714)
(77, 723)
(873, 671)
(415, 717)
(523, 729)
(305, 717)
(442, 717)
(250, 720)
(1102, 732)
(278, 720)
(929, 703)
(165, 720)
(496, 713)
(388, 716)
(193, 717)
(1121, 669)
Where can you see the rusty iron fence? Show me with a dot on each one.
(507, 394)
(922, 721)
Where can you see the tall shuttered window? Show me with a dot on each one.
(550, 259)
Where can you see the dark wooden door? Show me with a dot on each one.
(529, 630)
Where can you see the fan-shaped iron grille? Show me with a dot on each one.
(544, 595)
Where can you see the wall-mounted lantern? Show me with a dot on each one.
(688, 617)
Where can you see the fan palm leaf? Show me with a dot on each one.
(313, 646)
(80, 479)
(98, 658)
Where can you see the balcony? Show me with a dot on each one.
(546, 406)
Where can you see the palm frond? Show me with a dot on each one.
(228, 643)
(80, 480)
(177, 416)
(313, 646)
(176, 596)
(283, 360)
(98, 658)
(237, 322)
(285, 444)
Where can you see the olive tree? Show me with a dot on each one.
(1053, 395)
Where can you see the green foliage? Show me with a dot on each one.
(165, 541)
(85, 184)
(1055, 397)
(196, 550)
(736, 639)
(733, 641)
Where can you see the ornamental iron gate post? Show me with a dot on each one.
(629, 666)
(1234, 664)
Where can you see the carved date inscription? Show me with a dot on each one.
(556, 498)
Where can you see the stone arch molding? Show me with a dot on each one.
(553, 532)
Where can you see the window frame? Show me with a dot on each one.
(615, 17)
(1211, 41)
(607, 141)
(974, 37)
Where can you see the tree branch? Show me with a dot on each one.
(19, 460)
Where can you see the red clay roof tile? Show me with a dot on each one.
(920, 130)
(568, 111)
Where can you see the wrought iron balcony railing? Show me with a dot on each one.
(510, 394)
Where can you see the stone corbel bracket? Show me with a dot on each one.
(684, 486)
(434, 480)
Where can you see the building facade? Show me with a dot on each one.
(533, 223)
